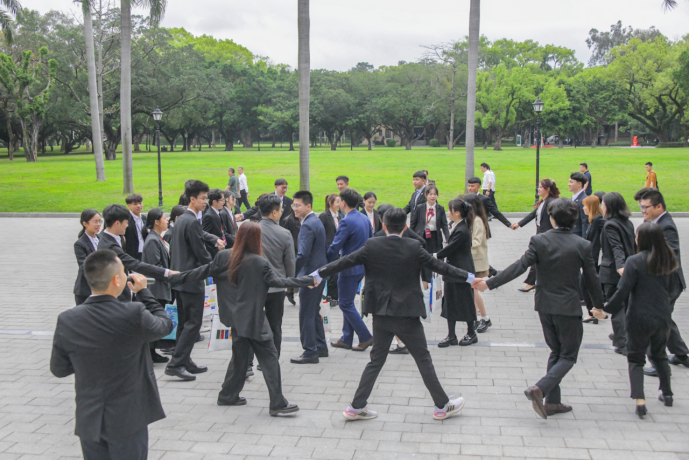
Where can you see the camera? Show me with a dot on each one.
(149, 281)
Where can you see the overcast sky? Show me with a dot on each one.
(383, 32)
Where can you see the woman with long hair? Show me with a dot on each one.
(330, 220)
(87, 242)
(547, 191)
(480, 254)
(644, 290)
(430, 222)
(371, 213)
(243, 278)
(617, 244)
(458, 298)
(592, 208)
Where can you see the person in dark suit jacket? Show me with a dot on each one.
(644, 291)
(116, 218)
(474, 185)
(458, 298)
(311, 254)
(592, 207)
(86, 243)
(212, 222)
(430, 222)
(617, 244)
(558, 256)
(104, 343)
(330, 218)
(653, 207)
(418, 196)
(576, 185)
(281, 186)
(547, 191)
(353, 231)
(343, 182)
(393, 267)
(228, 218)
(293, 225)
(243, 279)
(136, 232)
(175, 212)
(370, 212)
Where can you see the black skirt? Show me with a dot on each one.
(432, 246)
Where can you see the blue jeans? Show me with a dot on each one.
(352, 321)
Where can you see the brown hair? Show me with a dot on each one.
(247, 241)
(473, 200)
(594, 206)
(553, 190)
(329, 200)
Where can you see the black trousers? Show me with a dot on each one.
(80, 299)
(643, 337)
(243, 200)
(587, 296)
(676, 345)
(617, 320)
(132, 447)
(236, 375)
(190, 312)
(274, 308)
(432, 247)
(332, 285)
(492, 196)
(411, 332)
(311, 331)
(563, 335)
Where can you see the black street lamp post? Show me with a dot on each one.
(538, 107)
(157, 114)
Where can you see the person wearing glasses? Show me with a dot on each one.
(86, 244)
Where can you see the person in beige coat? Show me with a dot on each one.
(480, 255)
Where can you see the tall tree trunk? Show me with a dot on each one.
(616, 133)
(450, 138)
(473, 57)
(303, 64)
(274, 139)
(10, 151)
(126, 95)
(213, 138)
(93, 94)
(595, 137)
(499, 136)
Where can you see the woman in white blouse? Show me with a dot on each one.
(430, 222)
(86, 243)
(370, 212)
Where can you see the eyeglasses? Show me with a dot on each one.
(97, 222)
(644, 208)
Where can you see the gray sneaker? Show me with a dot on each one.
(359, 414)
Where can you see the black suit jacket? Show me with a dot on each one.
(594, 237)
(406, 234)
(287, 209)
(212, 223)
(418, 222)
(377, 220)
(82, 248)
(155, 253)
(671, 234)
(582, 221)
(558, 256)
(490, 208)
(131, 264)
(105, 344)
(229, 225)
(131, 239)
(545, 218)
(327, 220)
(392, 267)
(421, 199)
(617, 244)
(188, 251)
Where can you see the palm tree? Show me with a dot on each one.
(96, 135)
(156, 11)
(473, 57)
(303, 66)
(668, 5)
(11, 8)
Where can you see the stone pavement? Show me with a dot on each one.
(37, 269)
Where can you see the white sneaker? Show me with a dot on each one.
(451, 408)
(359, 414)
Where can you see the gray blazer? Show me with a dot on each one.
(188, 251)
(155, 253)
(557, 256)
(279, 249)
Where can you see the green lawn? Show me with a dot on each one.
(67, 183)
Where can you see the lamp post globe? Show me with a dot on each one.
(538, 107)
(157, 115)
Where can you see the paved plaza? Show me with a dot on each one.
(38, 268)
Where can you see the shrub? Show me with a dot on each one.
(668, 145)
(433, 142)
(391, 142)
(620, 144)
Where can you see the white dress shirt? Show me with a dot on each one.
(243, 182)
(302, 220)
(335, 218)
(539, 211)
(430, 220)
(489, 176)
(370, 215)
(94, 241)
(578, 194)
(139, 223)
(117, 238)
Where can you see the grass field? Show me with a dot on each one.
(67, 183)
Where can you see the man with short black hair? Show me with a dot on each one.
(557, 256)
(474, 186)
(281, 186)
(212, 222)
(234, 187)
(489, 184)
(228, 217)
(343, 182)
(136, 233)
(576, 184)
(105, 343)
(418, 197)
(588, 175)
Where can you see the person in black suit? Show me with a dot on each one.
(243, 280)
(653, 207)
(458, 298)
(407, 233)
(104, 343)
(393, 296)
(281, 186)
(343, 182)
(558, 256)
(116, 218)
(474, 185)
(592, 207)
(228, 218)
(576, 184)
(330, 218)
(547, 191)
(418, 196)
(617, 244)
(430, 222)
(645, 292)
(212, 222)
(136, 232)
(370, 212)
(175, 212)
(293, 225)
(86, 243)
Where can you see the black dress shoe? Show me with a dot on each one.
(492, 272)
(483, 326)
(666, 399)
(641, 410)
(291, 298)
(168, 351)
(179, 372)
(158, 359)
(448, 341)
(289, 409)
(201, 338)
(194, 369)
(526, 290)
(621, 351)
(398, 350)
(238, 402)
(591, 319)
(323, 354)
(469, 340)
(611, 336)
(650, 371)
(553, 409)
(535, 395)
(675, 360)
(303, 360)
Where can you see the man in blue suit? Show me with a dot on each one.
(311, 255)
(353, 231)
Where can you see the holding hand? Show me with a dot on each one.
(239, 217)
(139, 282)
(598, 314)
(220, 243)
(480, 285)
(515, 226)
(620, 271)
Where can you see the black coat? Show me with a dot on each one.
(421, 199)
(229, 226)
(545, 218)
(131, 238)
(327, 220)
(617, 244)
(188, 251)
(458, 298)
(406, 234)
(212, 223)
(155, 253)
(490, 208)
(105, 343)
(393, 267)
(582, 221)
(558, 256)
(241, 306)
(293, 225)
(418, 222)
(377, 220)
(671, 234)
(82, 249)
(594, 237)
